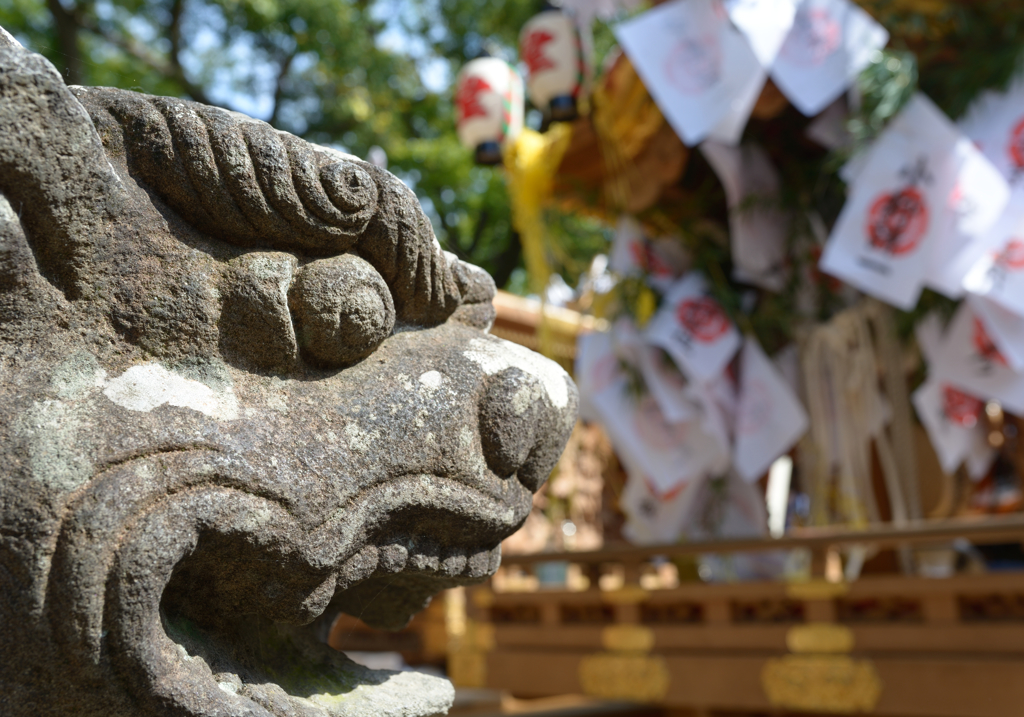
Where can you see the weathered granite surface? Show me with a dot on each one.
(242, 389)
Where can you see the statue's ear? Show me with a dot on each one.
(53, 170)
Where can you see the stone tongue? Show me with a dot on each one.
(287, 671)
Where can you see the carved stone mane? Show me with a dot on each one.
(240, 180)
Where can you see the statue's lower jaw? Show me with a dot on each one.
(212, 591)
(287, 671)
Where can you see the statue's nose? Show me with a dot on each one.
(525, 420)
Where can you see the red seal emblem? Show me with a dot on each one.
(533, 51)
(703, 318)
(647, 259)
(812, 40)
(467, 99)
(898, 221)
(983, 344)
(1012, 255)
(961, 409)
(695, 64)
(1016, 147)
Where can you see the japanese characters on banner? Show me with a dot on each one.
(922, 192)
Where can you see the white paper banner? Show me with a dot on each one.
(998, 272)
(699, 69)
(757, 224)
(995, 123)
(975, 204)
(654, 518)
(907, 202)
(669, 454)
(952, 419)
(968, 360)
(829, 44)
(769, 419)
(765, 23)
(1004, 328)
(633, 252)
(694, 329)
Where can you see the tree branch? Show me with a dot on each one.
(170, 69)
(279, 87)
(66, 24)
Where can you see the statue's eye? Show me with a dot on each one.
(341, 309)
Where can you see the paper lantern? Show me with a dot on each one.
(489, 107)
(550, 46)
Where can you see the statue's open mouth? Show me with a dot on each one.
(213, 593)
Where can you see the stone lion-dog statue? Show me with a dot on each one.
(243, 390)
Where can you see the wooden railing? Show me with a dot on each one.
(884, 644)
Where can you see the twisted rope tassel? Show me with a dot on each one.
(242, 181)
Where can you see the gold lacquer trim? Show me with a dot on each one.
(628, 595)
(819, 637)
(816, 590)
(627, 638)
(823, 683)
(634, 677)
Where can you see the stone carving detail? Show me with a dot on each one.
(243, 390)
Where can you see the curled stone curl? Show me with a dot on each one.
(244, 182)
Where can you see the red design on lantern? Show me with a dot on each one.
(814, 37)
(1016, 146)
(1012, 255)
(695, 64)
(961, 409)
(533, 51)
(468, 98)
(703, 318)
(898, 221)
(983, 344)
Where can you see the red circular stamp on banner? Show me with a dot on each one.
(813, 38)
(695, 64)
(652, 428)
(961, 409)
(1012, 255)
(703, 318)
(898, 221)
(983, 344)
(1016, 147)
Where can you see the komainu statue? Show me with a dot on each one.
(242, 390)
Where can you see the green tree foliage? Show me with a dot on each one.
(348, 73)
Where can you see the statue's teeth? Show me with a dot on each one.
(392, 558)
(425, 562)
(454, 564)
